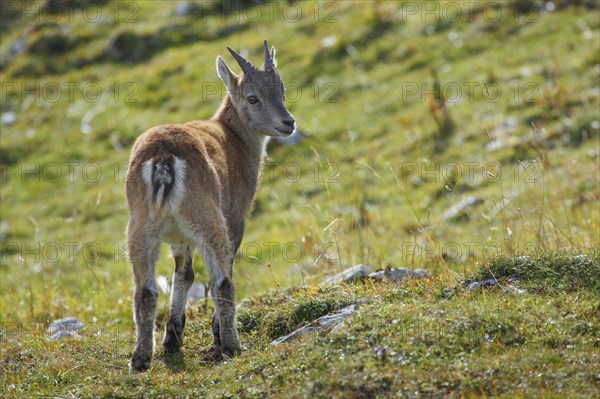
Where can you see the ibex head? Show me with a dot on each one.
(258, 95)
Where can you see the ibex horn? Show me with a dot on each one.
(242, 62)
(269, 63)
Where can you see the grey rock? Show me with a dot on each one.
(508, 198)
(329, 321)
(416, 181)
(66, 323)
(339, 326)
(333, 321)
(19, 46)
(63, 328)
(184, 8)
(481, 284)
(352, 274)
(295, 334)
(9, 118)
(400, 274)
(197, 293)
(460, 211)
(511, 289)
(63, 334)
(504, 135)
(329, 41)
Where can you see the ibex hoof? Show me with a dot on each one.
(139, 363)
(231, 351)
(172, 345)
(173, 339)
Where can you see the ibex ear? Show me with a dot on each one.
(273, 56)
(227, 75)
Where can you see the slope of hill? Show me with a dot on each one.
(434, 136)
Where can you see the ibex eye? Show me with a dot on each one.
(252, 99)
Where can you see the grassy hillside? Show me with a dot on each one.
(406, 115)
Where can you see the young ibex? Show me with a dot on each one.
(192, 185)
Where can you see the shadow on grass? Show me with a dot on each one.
(177, 363)
(174, 362)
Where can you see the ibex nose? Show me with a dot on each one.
(289, 122)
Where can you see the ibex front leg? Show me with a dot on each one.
(183, 277)
(143, 253)
(226, 339)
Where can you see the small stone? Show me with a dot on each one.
(337, 327)
(329, 41)
(333, 321)
(460, 211)
(481, 284)
(400, 274)
(19, 46)
(63, 334)
(329, 321)
(9, 118)
(416, 181)
(293, 335)
(197, 293)
(508, 198)
(183, 8)
(64, 328)
(511, 289)
(186, 8)
(66, 323)
(352, 274)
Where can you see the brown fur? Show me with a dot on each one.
(193, 185)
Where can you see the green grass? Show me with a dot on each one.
(548, 271)
(438, 344)
(373, 188)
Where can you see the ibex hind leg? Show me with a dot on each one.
(183, 278)
(143, 253)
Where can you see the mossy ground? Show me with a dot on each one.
(370, 183)
(440, 340)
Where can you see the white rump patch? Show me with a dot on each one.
(178, 191)
(147, 174)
